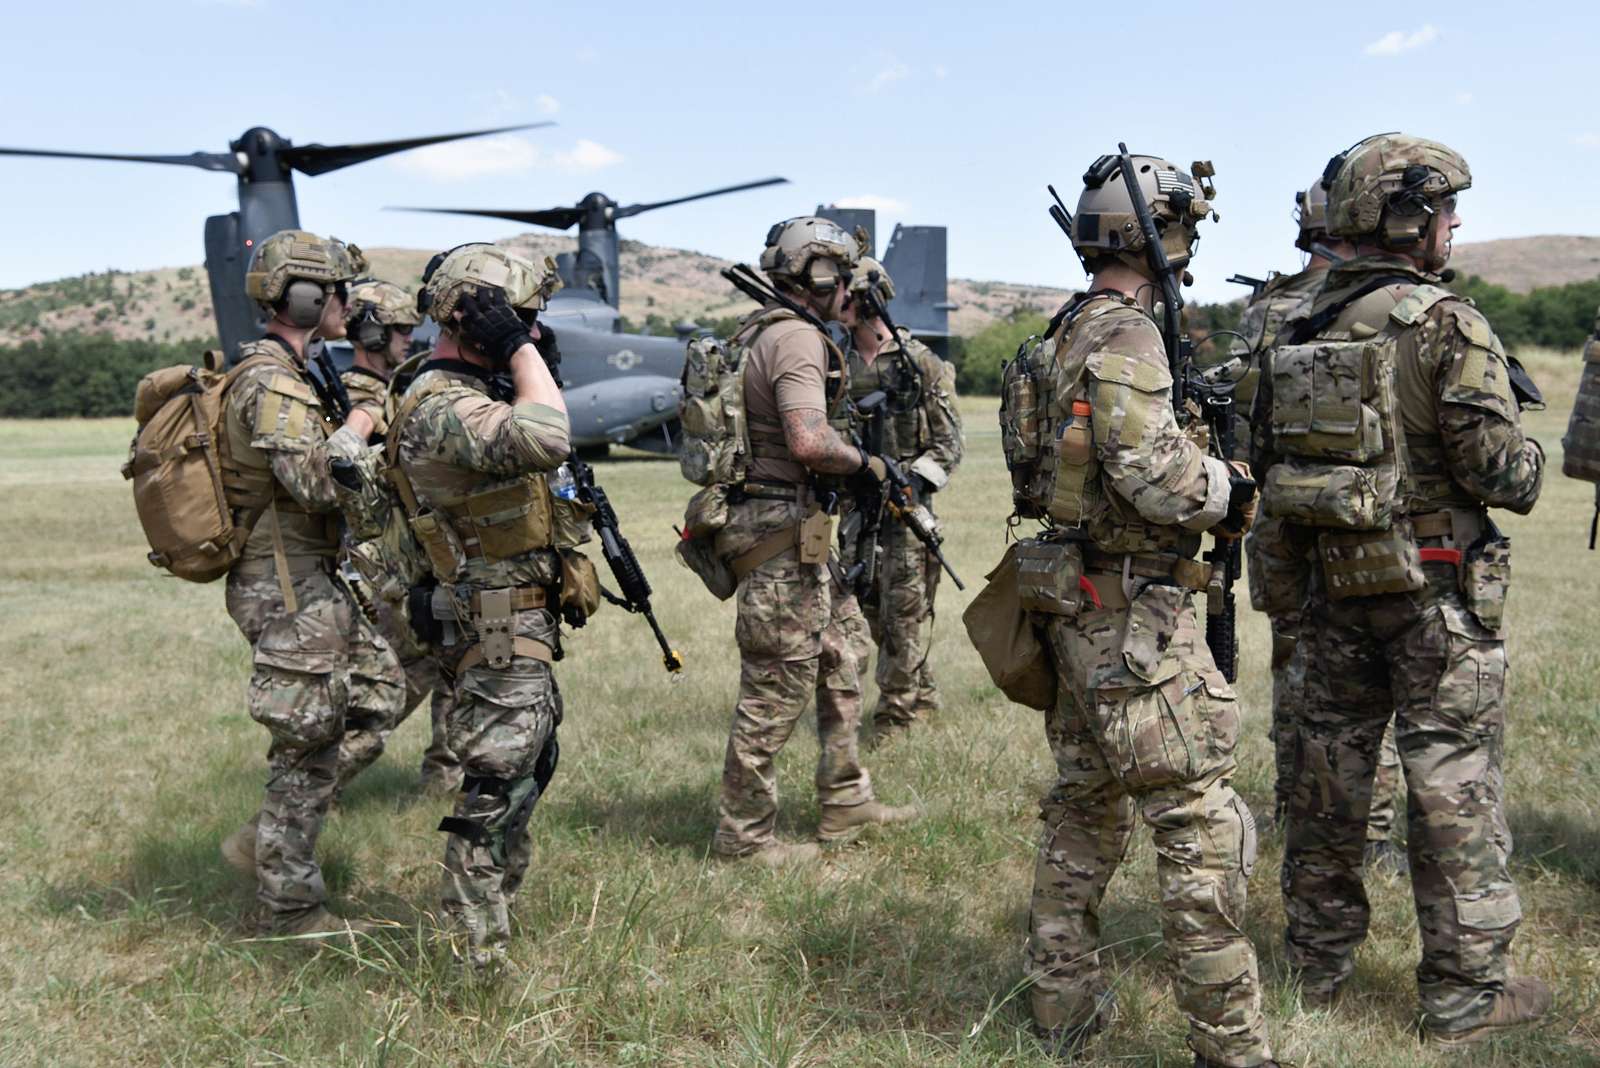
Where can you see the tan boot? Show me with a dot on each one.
(1521, 1001)
(239, 848)
(776, 854)
(317, 922)
(840, 822)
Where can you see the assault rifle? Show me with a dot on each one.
(746, 281)
(327, 383)
(898, 496)
(1216, 398)
(1256, 284)
(908, 367)
(619, 555)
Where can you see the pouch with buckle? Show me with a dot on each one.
(1048, 576)
(1367, 564)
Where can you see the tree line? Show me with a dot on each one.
(90, 375)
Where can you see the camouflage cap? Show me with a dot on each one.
(388, 303)
(1105, 221)
(291, 254)
(526, 284)
(1311, 212)
(869, 274)
(795, 245)
(1388, 182)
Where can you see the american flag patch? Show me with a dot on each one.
(1167, 181)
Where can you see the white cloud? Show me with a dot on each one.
(472, 158)
(483, 156)
(547, 104)
(587, 156)
(894, 71)
(1587, 140)
(888, 205)
(1463, 99)
(1396, 41)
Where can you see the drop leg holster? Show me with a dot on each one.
(521, 795)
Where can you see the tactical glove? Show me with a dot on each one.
(491, 325)
(1241, 502)
(868, 479)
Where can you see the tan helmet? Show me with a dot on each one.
(869, 274)
(809, 253)
(464, 268)
(289, 255)
(1311, 212)
(373, 308)
(1105, 222)
(1388, 188)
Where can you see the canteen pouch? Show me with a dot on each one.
(707, 511)
(447, 557)
(1367, 564)
(1048, 575)
(570, 521)
(700, 556)
(513, 519)
(580, 587)
(1010, 645)
(1486, 579)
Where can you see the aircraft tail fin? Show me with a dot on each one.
(915, 259)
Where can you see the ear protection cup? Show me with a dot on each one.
(369, 333)
(302, 302)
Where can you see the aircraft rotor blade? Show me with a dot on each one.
(636, 209)
(206, 161)
(320, 159)
(555, 218)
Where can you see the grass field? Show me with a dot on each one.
(127, 755)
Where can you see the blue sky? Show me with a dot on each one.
(940, 113)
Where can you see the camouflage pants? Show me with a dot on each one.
(799, 635)
(499, 723)
(301, 688)
(1427, 661)
(1144, 722)
(1279, 561)
(421, 678)
(900, 616)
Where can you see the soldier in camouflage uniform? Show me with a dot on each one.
(799, 630)
(922, 430)
(1143, 721)
(1278, 567)
(378, 322)
(1410, 589)
(472, 456)
(321, 671)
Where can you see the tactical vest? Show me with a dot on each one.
(1581, 447)
(719, 438)
(897, 374)
(506, 520)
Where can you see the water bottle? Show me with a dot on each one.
(561, 483)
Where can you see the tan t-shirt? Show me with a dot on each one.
(787, 372)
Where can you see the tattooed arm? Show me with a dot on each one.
(817, 445)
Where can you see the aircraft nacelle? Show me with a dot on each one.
(632, 409)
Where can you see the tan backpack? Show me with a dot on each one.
(176, 470)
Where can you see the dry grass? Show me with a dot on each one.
(128, 755)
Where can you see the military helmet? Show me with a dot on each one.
(795, 246)
(1389, 186)
(869, 274)
(450, 275)
(385, 302)
(1311, 212)
(1105, 222)
(295, 254)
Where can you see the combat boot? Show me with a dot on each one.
(1201, 1062)
(1386, 858)
(316, 922)
(842, 822)
(776, 854)
(1065, 1042)
(1520, 1001)
(239, 848)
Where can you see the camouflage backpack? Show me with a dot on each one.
(176, 466)
(1581, 446)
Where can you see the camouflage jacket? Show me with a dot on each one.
(1462, 426)
(462, 441)
(927, 434)
(277, 449)
(370, 391)
(1157, 488)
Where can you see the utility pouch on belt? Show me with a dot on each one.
(447, 557)
(1049, 576)
(580, 587)
(700, 556)
(1486, 578)
(1003, 632)
(816, 531)
(1337, 496)
(425, 627)
(707, 511)
(1365, 564)
(512, 520)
